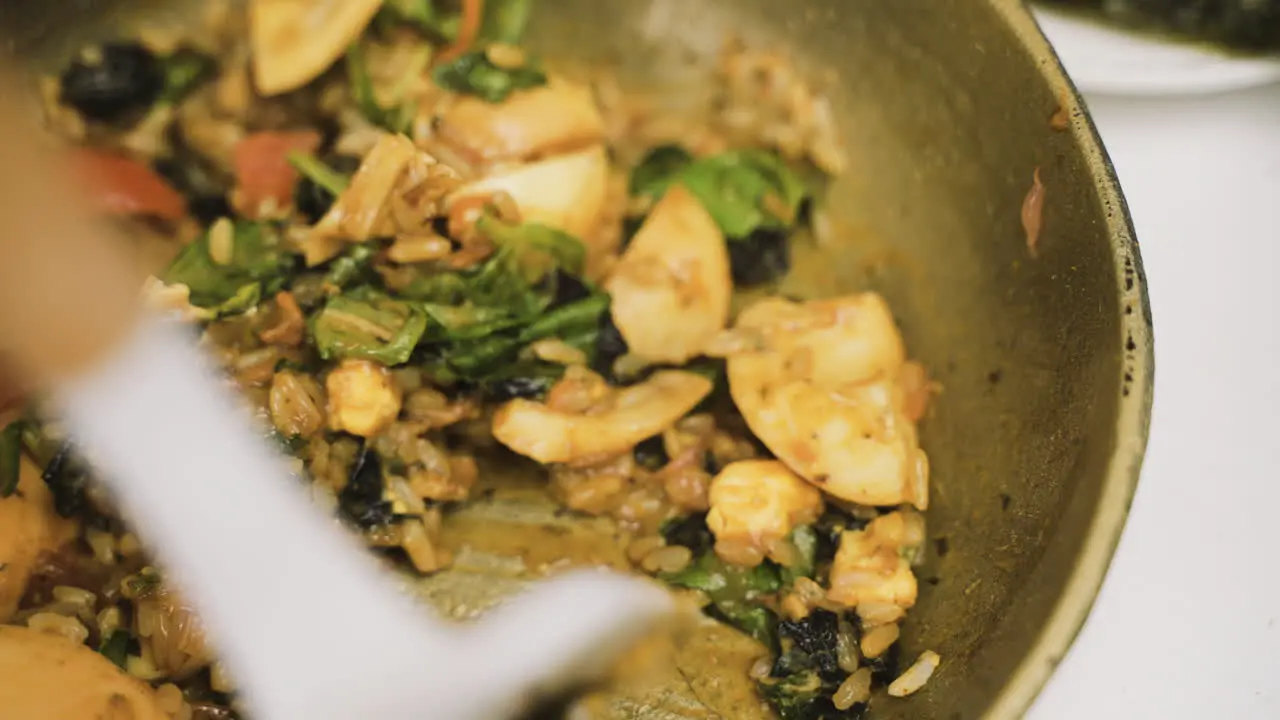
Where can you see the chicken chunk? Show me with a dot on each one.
(755, 504)
(363, 398)
(872, 565)
(44, 675)
(671, 288)
(28, 528)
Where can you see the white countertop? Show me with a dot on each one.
(1186, 624)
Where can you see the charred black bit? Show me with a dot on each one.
(609, 346)
(651, 453)
(67, 482)
(884, 669)
(690, 531)
(361, 500)
(829, 528)
(568, 288)
(761, 257)
(312, 200)
(814, 639)
(529, 387)
(206, 194)
(113, 83)
(806, 672)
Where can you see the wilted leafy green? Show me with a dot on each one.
(368, 326)
(805, 540)
(503, 21)
(350, 266)
(184, 70)
(659, 168)
(256, 259)
(311, 167)
(395, 119)
(116, 648)
(746, 190)
(735, 593)
(475, 74)
(10, 456)
(806, 672)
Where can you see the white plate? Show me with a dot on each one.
(1104, 61)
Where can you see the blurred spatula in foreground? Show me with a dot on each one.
(308, 624)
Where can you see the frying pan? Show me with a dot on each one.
(1045, 358)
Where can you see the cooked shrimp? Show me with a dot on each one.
(641, 411)
(755, 504)
(822, 394)
(671, 288)
(871, 566)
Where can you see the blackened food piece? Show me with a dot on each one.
(691, 532)
(761, 257)
(651, 454)
(815, 637)
(361, 500)
(609, 346)
(124, 84)
(884, 669)
(314, 201)
(569, 289)
(67, 482)
(829, 528)
(206, 195)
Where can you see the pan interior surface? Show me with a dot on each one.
(1043, 353)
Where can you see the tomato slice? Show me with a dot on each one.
(262, 166)
(120, 185)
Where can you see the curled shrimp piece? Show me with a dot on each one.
(872, 566)
(566, 192)
(45, 675)
(671, 289)
(821, 391)
(755, 504)
(613, 426)
(557, 117)
(29, 527)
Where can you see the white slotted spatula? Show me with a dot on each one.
(310, 627)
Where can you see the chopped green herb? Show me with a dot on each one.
(116, 648)
(184, 70)
(475, 74)
(396, 119)
(350, 266)
(735, 592)
(141, 585)
(538, 249)
(746, 190)
(256, 258)
(805, 540)
(424, 15)
(10, 456)
(658, 170)
(312, 168)
(368, 326)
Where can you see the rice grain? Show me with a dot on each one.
(916, 676)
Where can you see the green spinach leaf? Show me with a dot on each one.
(805, 540)
(395, 119)
(659, 168)
(257, 258)
(313, 168)
(116, 648)
(475, 74)
(11, 456)
(735, 593)
(746, 190)
(184, 70)
(505, 20)
(368, 326)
